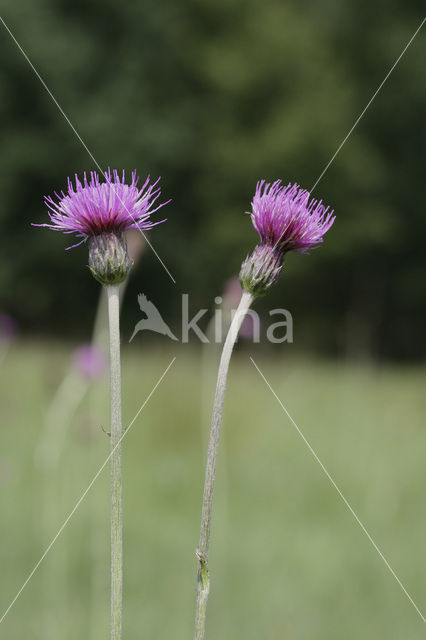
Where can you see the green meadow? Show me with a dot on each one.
(288, 559)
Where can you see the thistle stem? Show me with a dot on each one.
(116, 431)
(206, 515)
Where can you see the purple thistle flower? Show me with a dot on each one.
(8, 328)
(101, 213)
(93, 207)
(285, 219)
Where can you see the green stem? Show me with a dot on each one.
(116, 432)
(203, 548)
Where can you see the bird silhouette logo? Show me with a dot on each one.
(153, 321)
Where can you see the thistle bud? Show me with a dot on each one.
(109, 261)
(261, 269)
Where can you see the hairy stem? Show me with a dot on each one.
(116, 431)
(206, 515)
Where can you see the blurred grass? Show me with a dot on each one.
(287, 559)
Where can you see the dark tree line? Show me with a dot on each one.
(212, 96)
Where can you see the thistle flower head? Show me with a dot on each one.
(286, 217)
(102, 212)
(91, 207)
(261, 269)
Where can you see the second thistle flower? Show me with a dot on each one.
(286, 219)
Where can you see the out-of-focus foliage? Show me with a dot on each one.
(214, 95)
(288, 560)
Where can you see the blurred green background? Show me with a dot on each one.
(288, 561)
(213, 96)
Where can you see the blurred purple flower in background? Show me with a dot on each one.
(231, 298)
(92, 207)
(232, 293)
(90, 361)
(8, 329)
